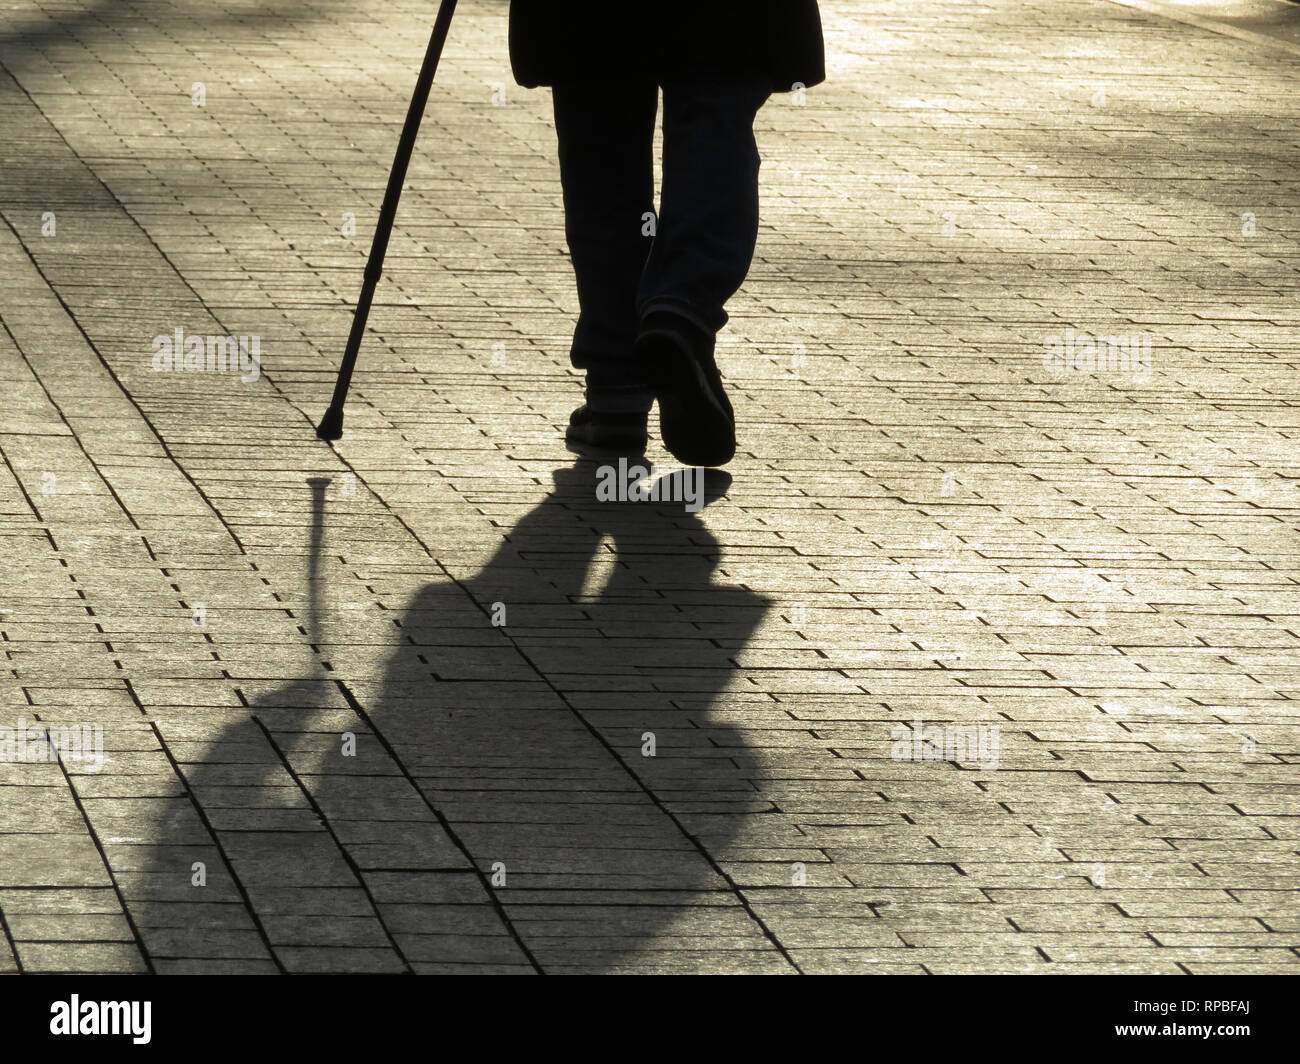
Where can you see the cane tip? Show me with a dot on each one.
(331, 425)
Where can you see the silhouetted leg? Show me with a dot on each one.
(606, 140)
(708, 224)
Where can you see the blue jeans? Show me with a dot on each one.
(695, 255)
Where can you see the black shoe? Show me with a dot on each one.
(624, 433)
(695, 416)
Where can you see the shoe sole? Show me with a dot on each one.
(696, 430)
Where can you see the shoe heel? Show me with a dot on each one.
(663, 360)
(695, 428)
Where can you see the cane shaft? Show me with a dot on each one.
(331, 426)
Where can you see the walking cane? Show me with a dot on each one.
(331, 425)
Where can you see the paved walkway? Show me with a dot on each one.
(987, 659)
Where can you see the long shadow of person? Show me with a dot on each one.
(536, 783)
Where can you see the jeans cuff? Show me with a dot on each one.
(669, 305)
(611, 396)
